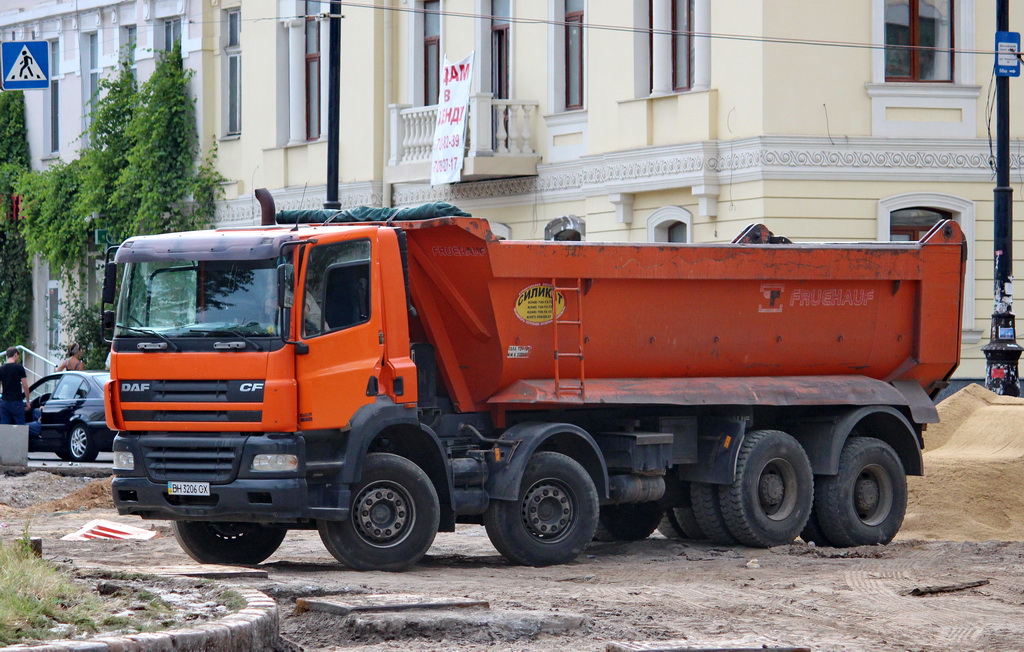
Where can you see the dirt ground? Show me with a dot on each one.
(659, 592)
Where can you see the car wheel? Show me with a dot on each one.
(80, 444)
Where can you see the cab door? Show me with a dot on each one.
(340, 322)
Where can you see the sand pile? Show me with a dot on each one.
(973, 488)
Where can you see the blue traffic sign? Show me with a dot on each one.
(1008, 54)
(26, 65)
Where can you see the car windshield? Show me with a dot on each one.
(198, 298)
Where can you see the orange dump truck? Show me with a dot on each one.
(382, 381)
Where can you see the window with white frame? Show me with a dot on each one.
(53, 122)
(574, 56)
(92, 77)
(312, 71)
(172, 33)
(670, 224)
(129, 41)
(500, 44)
(567, 228)
(919, 40)
(233, 58)
(431, 51)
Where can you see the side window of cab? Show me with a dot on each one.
(337, 287)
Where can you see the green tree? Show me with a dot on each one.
(15, 272)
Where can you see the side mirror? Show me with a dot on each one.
(285, 285)
(108, 319)
(109, 281)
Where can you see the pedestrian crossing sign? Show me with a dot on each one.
(25, 64)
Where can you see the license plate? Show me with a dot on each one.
(188, 488)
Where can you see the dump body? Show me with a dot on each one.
(886, 311)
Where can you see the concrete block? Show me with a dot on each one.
(14, 445)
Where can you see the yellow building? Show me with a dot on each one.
(624, 120)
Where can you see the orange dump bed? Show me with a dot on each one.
(566, 318)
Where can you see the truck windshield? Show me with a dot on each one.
(199, 298)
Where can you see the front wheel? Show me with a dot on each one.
(80, 445)
(227, 543)
(865, 502)
(554, 517)
(393, 520)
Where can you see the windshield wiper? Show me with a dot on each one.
(227, 331)
(146, 331)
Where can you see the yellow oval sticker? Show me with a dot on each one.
(534, 304)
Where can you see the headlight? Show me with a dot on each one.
(124, 461)
(275, 463)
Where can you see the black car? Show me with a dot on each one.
(72, 421)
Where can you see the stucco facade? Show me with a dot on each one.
(786, 116)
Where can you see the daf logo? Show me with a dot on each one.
(134, 387)
(251, 387)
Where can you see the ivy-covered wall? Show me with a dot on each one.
(15, 270)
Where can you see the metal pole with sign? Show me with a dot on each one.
(1002, 352)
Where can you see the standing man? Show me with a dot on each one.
(14, 383)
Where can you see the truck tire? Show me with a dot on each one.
(865, 502)
(214, 542)
(393, 519)
(680, 523)
(812, 532)
(707, 511)
(769, 501)
(554, 517)
(631, 522)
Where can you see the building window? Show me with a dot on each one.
(431, 51)
(669, 224)
(92, 80)
(172, 33)
(233, 54)
(54, 121)
(573, 54)
(129, 41)
(312, 71)
(670, 51)
(567, 228)
(500, 49)
(919, 40)
(911, 224)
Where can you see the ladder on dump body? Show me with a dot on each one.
(573, 386)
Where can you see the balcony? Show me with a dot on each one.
(500, 140)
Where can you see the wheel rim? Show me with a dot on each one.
(79, 442)
(777, 489)
(548, 510)
(384, 514)
(872, 495)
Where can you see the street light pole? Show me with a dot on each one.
(1002, 352)
(333, 106)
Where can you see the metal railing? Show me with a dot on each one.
(27, 351)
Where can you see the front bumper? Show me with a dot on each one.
(236, 492)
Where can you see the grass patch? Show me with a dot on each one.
(39, 601)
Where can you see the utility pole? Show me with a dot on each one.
(333, 105)
(1002, 352)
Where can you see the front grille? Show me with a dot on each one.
(191, 391)
(198, 416)
(196, 459)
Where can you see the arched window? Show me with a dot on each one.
(566, 228)
(911, 224)
(670, 224)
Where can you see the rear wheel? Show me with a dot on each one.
(80, 445)
(210, 542)
(865, 502)
(679, 521)
(393, 520)
(707, 511)
(554, 517)
(812, 532)
(631, 522)
(769, 501)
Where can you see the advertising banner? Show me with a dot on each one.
(450, 128)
